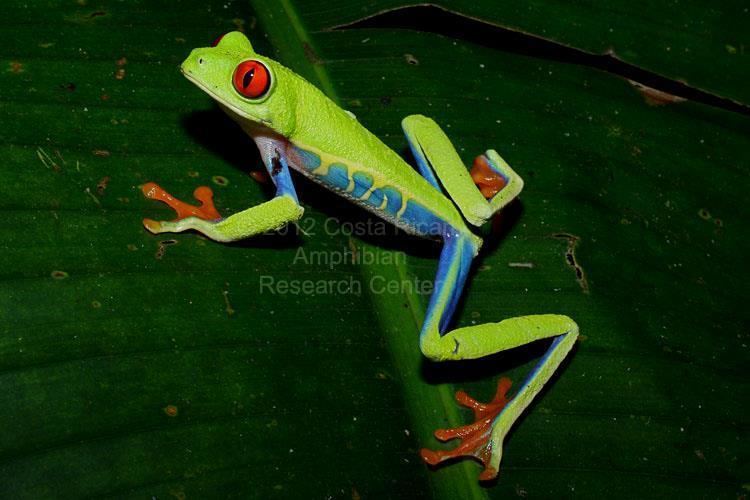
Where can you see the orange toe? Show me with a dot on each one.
(152, 225)
(475, 437)
(486, 179)
(206, 210)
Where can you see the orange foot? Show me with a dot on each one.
(486, 179)
(475, 438)
(206, 210)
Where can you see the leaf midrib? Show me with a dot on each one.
(281, 31)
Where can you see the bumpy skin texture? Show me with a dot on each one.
(303, 115)
(295, 125)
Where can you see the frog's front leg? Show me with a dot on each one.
(484, 438)
(268, 216)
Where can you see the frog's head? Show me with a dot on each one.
(250, 87)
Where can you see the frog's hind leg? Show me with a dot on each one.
(484, 438)
(490, 186)
(268, 216)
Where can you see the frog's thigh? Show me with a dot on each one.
(435, 154)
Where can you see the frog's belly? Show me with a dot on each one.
(375, 195)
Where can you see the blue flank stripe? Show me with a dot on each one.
(362, 183)
(393, 200)
(376, 198)
(310, 160)
(424, 221)
(337, 176)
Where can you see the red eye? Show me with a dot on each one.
(216, 42)
(252, 79)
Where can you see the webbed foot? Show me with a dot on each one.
(185, 212)
(476, 438)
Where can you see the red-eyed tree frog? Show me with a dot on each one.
(295, 125)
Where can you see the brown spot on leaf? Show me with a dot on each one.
(161, 250)
(570, 259)
(220, 180)
(655, 97)
(411, 59)
(120, 72)
(101, 186)
(16, 67)
(59, 275)
(171, 410)
(310, 54)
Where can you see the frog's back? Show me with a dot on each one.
(350, 160)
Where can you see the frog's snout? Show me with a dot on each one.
(197, 59)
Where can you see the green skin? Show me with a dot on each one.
(294, 115)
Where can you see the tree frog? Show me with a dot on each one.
(296, 126)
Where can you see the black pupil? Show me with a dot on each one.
(248, 78)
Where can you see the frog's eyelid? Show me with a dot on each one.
(218, 40)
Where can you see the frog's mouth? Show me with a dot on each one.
(228, 106)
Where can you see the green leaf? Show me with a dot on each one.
(140, 366)
(701, 45)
